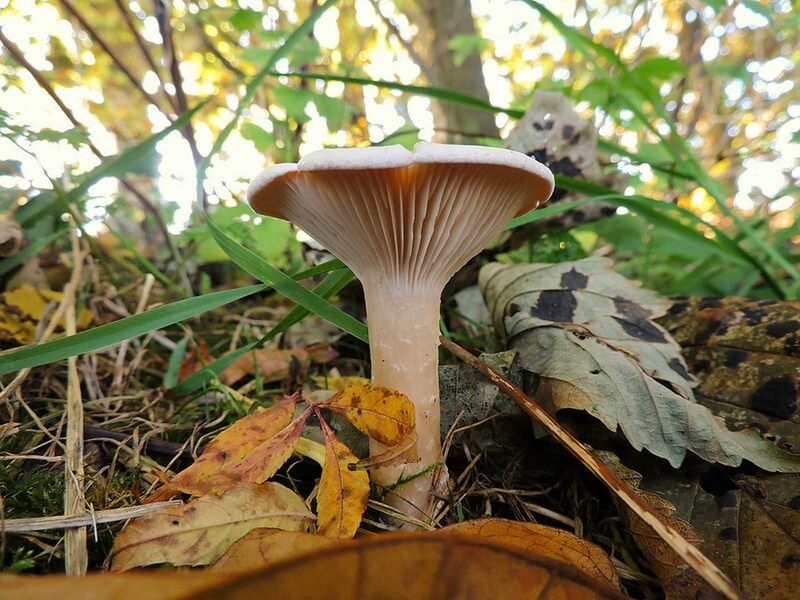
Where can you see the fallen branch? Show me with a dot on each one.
(710, 572)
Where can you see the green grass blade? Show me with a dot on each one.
(118, 331)
(282, 283)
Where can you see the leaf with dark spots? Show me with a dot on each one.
(630, 309)
(642, 330)
(574, 280)
(733, 358)
(782, 328)
(555, 305)
(777, 397)
(640, 382)
(746, 524)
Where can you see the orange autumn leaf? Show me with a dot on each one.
(266, 458)
(343, 493)
(262, 547)
(542, 540)
(382, 414)
(213, 471)
(423, 566)
(199, 532)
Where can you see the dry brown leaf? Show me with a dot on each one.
(263, 547)
(544, 541)
(423, 566)
(343, 492)
(214, 472)
(197, 358)
(199, 532)
(272, 364)
(382, 414)
(140, 585)
(418, 566)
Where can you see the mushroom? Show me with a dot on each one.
(404, 222)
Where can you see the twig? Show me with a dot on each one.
(149, 446)
(683, 548)
(88, 519)
(76, 556)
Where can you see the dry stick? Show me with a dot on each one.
(689, 553)
(76, 556)
(84, 520)
(119, 367)
(148, 206)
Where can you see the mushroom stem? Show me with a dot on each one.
(403, 324)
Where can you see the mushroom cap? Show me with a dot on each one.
(419, 214)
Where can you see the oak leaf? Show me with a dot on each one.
(200, 531)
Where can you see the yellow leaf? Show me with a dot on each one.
(23, 307)
(262, 547)
(199, 532)
(339, 383)
(343, 493)
(213, 471)
(378, 412)
(543, 541)
(267, 458)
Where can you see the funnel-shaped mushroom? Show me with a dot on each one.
(404, 222)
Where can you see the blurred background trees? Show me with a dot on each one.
(695, 104)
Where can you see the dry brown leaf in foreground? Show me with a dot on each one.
(425, 566)
(262, 547)
(199, 532)
(541, 540)
(274, 364)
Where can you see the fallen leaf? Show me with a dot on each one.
(590, 336)
(215, 470)
(22, 308)
(275, 364)
(339, 383)
(419, 566)
(272, 364)
(423, 566)
(343, 492)
(746, 355)
(382, 414)
(200, 531)
(263, 547)
(196, 358)
(542, 540)
(747, 524)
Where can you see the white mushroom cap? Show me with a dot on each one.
(414, 216)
